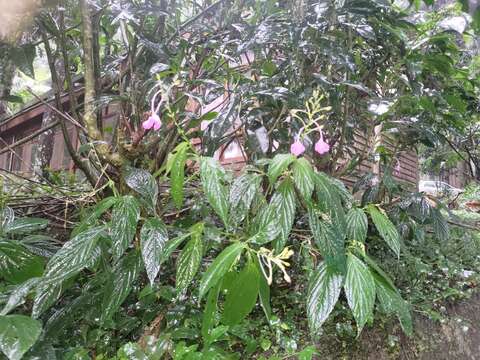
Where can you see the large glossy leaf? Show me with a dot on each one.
(304, 177)
(212, 177)
(284, 203)
(392, 302)
(120, 283)
(241, 295)
(357, 225)
(18, 333)
(219, 267)
(17, 264)
(6, 217)
(324, 289)
(18, 295)
(25, 225)
(440, 225)
(40, 245)
(189, 260)
(177, 173)
(360, 290)
(329, 202)
(144, 183)
(75, 255)
(278, 165)
(153, 238)
(266, 225)
(328, 239)
(242, 192)
(125, 216)
(386, 229)
(45, 296)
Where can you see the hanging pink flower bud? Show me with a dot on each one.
(297, 148)
(321, 146)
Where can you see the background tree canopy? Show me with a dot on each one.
(176, 256)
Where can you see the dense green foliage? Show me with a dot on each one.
(180, 257)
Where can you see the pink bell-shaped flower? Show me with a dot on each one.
(297, 148)
(321, 146)
(153, 121)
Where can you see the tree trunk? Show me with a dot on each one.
(45, 141)
(7, 72)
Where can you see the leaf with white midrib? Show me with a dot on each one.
(303, 177)
(360, 290)
(323, 292)
(242, 193)
(120, 283)
(278, 165)
(212, 176)
(125, 216)
(385, 227)
(357, 225)
(189, 262)
(75, 255)
(153, 237)
(284, 203)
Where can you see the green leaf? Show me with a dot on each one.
(357, 225)
(307, 353)
(17, 264)
(304, 177)
(440, 225)
(6, 217)
(219, 267)
(171, 246)
(18, 295)
(265, 226)
(177, 173)
(278, 165)
(376, 268)
(189, 261)
(153, 238)
(18, 333)
(323, 291)
(208, 319)
(120, 284)
(360, 290)
(25, 225)
(125, 216)
(241, 295)
(144, 183)
(242, 192)
(329, 202)
(327, 238)
(392, 302)
(284, 203)
(212, 177)
(46, 295)
(75, 255)
(386, 229)
(264, 293)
